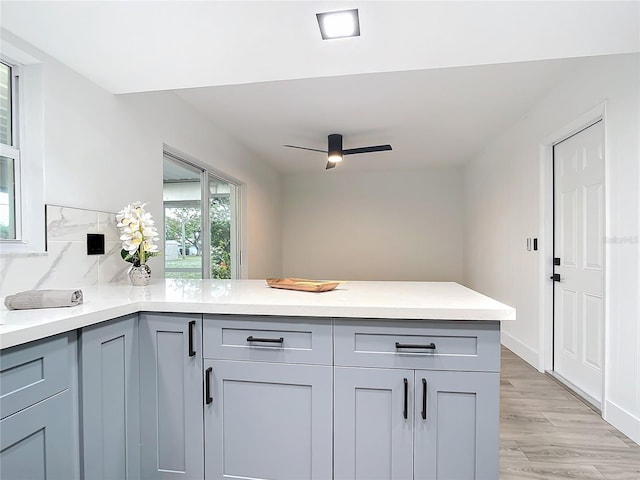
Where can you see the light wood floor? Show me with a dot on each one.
(546, 433)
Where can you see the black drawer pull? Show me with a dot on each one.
(192, 352)
(207, 385)
(251, 338)
(424, 399)
(406, 398)
(429, 346)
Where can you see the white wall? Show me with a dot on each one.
(103, 151)
(374, 226)
(503, 208)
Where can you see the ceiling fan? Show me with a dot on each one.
(335, 151)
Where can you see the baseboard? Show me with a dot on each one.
(523, 351)
(624, 421)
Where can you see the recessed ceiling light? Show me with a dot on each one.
(344, 23)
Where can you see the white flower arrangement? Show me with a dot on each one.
(138, 234)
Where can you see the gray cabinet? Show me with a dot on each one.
(257, 339)
(39, 426)
(405, 424)
(268, 421)
(416, 423)
(171, 422)
(35, 371)
(456, 419)
(294, 398)
(37, 443)
(434, 345)
(372, 438)
(268, 398)
(110, 401)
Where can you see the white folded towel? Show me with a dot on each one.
(43, 299)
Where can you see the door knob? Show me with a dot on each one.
(555, 277)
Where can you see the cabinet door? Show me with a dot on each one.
(34, 371)
(171, 396)
(110, 399)
(373, 424)
(267, 421)
(459, 436)
(38, 442)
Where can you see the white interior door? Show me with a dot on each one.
(579, 220)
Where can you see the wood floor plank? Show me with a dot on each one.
(571, 438)
(576, 419)
(546, 433)
(545, 405)
(515, 470)
(582, 454)
(509, 450)
(614, 473)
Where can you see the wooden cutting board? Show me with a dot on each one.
(302, 284)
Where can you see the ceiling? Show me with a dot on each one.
(436, 79)
(430, 117)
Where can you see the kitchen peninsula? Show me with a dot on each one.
(217, 379)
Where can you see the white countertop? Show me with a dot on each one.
(394, 300)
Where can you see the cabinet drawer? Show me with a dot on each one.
(259, 339)
(32, 372)
(469, 346)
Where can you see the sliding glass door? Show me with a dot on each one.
(200, 218)
(223, 227)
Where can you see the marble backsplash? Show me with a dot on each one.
(66, 264)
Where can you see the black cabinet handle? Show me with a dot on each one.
(207, 385)
(406, 398)
(424, 399)
(428, 346)
(192, 352)
(251, 338)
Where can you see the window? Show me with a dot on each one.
(200, 219)
(22, 222)
(9, 155)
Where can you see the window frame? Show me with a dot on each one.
(235, 253)
(12, 151)
(29, 131)
(237, 239)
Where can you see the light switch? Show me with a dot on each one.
(95, 244)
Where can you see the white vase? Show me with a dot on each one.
(140, 276)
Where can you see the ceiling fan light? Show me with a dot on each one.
(341, 24)
(335, 148)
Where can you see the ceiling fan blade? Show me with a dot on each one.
(330, 165)
(305, 148)
(376, 148)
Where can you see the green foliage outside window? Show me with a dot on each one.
(220, 213)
